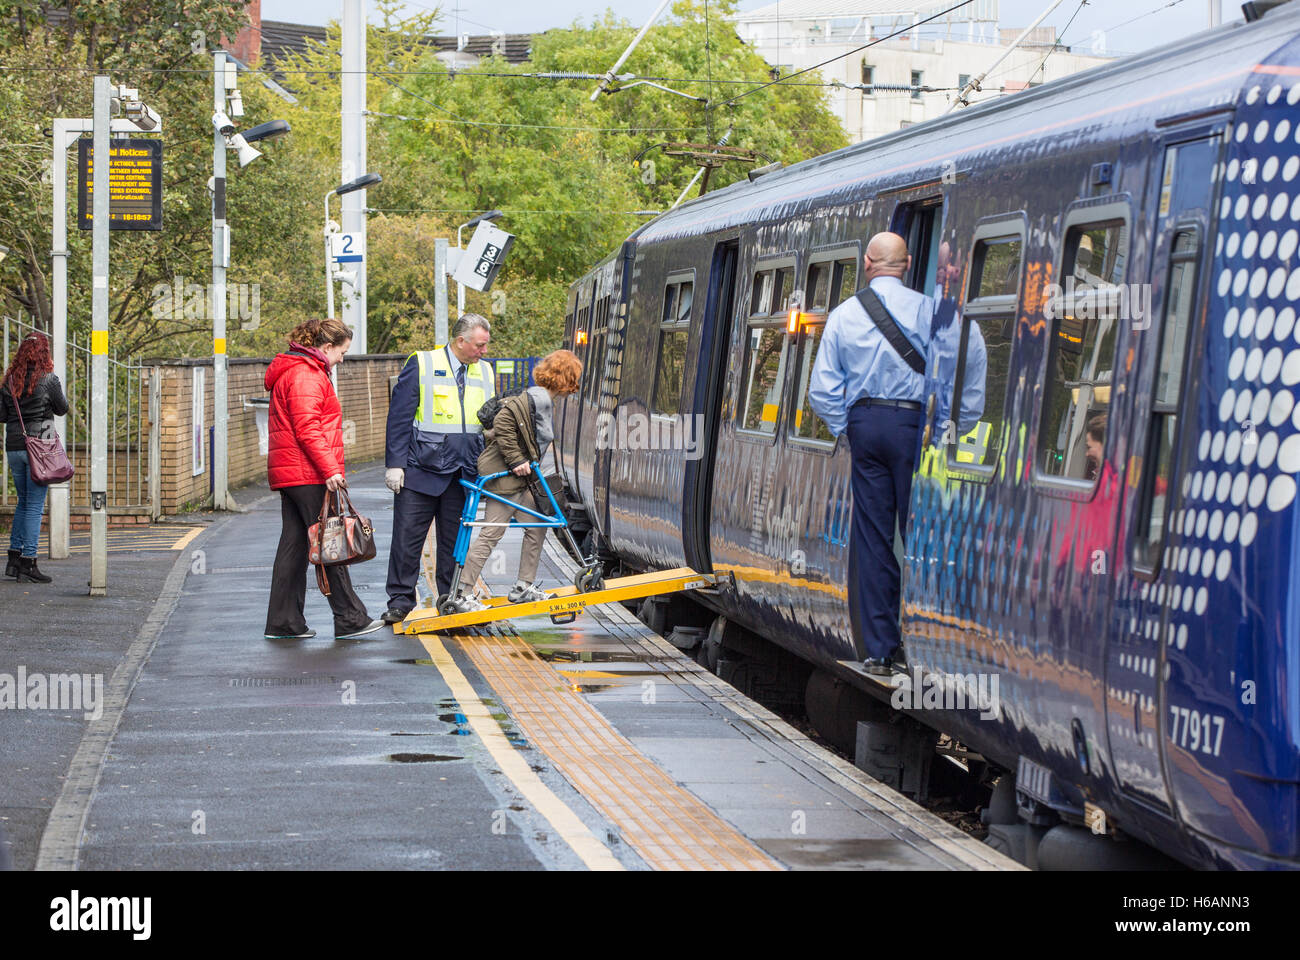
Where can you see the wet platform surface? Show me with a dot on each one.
(590, 745)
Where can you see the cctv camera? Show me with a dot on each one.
(223, 124)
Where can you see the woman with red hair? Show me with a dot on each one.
(521, 433)
(33, 396)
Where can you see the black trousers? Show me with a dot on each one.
(299, 509)
(883, 444)
(412, 514)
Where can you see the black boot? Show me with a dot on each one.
(28, 572)
(11, 568)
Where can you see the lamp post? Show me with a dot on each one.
(460, 288)
(360, 183)
(224, 136)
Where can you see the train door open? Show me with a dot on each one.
(1140, 642)
(559, 450)
(919, 222)
(572, 424)
(715, 336)
(588, 396)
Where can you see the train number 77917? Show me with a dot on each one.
(1195, 730)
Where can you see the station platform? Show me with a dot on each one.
(522, 745)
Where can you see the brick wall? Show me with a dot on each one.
(363, 394)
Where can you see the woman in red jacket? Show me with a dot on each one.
(304, 460)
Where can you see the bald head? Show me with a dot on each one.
(886, 256)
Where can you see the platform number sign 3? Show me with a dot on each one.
(483, 257)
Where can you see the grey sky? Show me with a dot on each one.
(1164, 20)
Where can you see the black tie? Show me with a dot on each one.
(460, 380)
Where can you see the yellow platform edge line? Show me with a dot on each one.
(555, 811)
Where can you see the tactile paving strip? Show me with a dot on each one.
(666, 825)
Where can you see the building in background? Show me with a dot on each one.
(915, 75)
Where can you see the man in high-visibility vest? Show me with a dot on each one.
(433, 439)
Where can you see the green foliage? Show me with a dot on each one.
(449, 145)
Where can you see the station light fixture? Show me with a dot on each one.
(267, 131)
(360, 183)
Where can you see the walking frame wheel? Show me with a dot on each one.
(590, 578)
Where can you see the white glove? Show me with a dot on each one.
(393, 479)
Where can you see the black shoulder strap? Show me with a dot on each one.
(888, 328)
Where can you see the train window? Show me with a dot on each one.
(819, 286)
(674, 332)
(593, 368)
(828, 280)
(1180, 294)
(847, 284)
(761, 298)
(995, 268)
(983, 354)
(764, 374)
(1081, 352)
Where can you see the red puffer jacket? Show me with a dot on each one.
(306, 421)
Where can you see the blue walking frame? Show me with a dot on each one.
(590, 574)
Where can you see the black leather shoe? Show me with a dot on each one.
(11, 568)
(393, 615)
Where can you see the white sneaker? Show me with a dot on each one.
(464, 604)
(531, 593)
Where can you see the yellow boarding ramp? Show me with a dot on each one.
(562, 604)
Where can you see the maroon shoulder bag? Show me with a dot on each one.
(46, 459)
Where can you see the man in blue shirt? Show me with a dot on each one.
(861, 385)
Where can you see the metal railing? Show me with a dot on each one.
(128, 445)
(514, 372)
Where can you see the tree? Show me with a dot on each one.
(570, 174)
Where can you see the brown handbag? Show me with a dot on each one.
(46, 459)
(338, 537)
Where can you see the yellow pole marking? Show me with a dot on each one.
(563, 820)
(184, 541)
(99, 342)
(218, 345)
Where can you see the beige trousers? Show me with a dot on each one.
(488, 537)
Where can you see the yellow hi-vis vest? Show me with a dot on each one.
(442, 409)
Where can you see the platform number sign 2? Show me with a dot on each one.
(347, 247)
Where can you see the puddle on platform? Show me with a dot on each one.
(420, 758)
(461, 722)
(413, 662)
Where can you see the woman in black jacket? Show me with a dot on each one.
(29, 389)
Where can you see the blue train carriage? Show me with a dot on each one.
(1101, 521)
(1111, 538)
